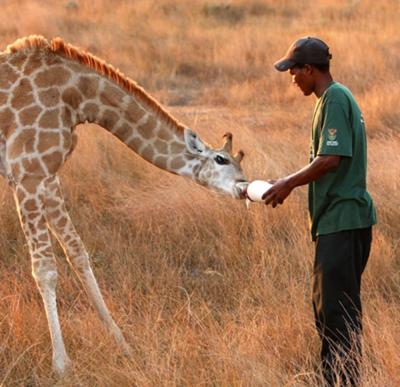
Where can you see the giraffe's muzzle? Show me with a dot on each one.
(241, 188)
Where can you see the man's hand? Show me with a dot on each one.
(278, 192)
(281, 188)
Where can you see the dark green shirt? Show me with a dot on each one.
(339, 200)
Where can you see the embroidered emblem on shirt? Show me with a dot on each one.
(332, 134)
(332, 138)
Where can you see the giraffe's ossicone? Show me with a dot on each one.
(46, 89)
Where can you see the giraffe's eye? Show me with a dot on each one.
(221, 160)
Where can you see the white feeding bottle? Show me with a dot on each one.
(256, 189)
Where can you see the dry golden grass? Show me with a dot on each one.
(206, 292)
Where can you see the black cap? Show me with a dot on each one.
(304, 51)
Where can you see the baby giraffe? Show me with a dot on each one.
(46, 89)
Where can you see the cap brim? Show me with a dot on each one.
(284, 64)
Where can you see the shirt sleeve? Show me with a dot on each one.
(336, 134)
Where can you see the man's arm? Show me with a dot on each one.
(313, 171)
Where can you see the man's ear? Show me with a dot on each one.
(309, 69)
(193, 142)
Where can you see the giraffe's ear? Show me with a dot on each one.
(193, 142)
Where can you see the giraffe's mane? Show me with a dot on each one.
(28, 42)
(59, 47)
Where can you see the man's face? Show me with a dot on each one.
(302, 76)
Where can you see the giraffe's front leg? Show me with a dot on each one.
(44, 270)
(61, 225)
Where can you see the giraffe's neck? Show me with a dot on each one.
(143, 127)
(52, 87)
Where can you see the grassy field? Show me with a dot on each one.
(207, 292)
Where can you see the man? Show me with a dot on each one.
(341, 210)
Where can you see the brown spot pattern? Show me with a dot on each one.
(43, 237)
(28, 115)
(34, 62)
(72, 97)
(176, 147)
(52, 213)
(148, 152)
(53, 162)
(62, 222)
(91, 111)
(7, 122)
(177, 163)
(48, 140)
(164, 134)
(31, 185)
(146, 130)
(49, 97)
(66, 117)
(30, 205)
(161, 162)
(30, 146)
(134, 112)
(32, 166)
(135, 143)
(109, 119)
(88, 86)
(32, 230)
(49, 119)
(15, 170)
(53, 76)
(52, 203)
(33, 215)
(161, 146)
(67, 140)
(111, 96)
(23, 142)
(22, 94)
(18, 59)
(7, 76)
(123, 132)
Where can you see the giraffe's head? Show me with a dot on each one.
(217, 169)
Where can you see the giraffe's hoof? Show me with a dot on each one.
(120, 339)
(126, 348)
(61, 365)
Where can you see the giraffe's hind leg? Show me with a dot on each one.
(30, 205)
(61, 225)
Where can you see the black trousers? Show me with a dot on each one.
(340, 259)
